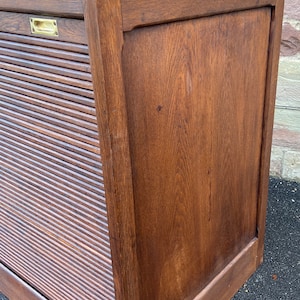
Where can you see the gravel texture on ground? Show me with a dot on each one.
(278, 278)
(2, 297)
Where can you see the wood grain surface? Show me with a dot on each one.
(270, 97)
(105, 36)
(180, 96)
(15, 287)
(231, 278)
(56, 7)
(69, 30)
(195, 99)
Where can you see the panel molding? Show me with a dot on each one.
(195, 125)
(145, 12)
(222, 287)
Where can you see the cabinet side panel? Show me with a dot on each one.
(53, 228)
(195, 98)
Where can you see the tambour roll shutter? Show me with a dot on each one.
(54, 231)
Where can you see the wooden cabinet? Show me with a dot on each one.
(135, 140)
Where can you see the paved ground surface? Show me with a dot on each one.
(278, 278)
(285, 161)
(279, 275)
(2, 297)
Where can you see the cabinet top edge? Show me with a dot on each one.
(144, 13)
(66, 8)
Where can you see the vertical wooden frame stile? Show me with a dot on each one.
(105, 38)
(270, 95)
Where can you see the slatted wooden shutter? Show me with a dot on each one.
(54, 231)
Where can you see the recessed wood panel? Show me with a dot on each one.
(195, 99)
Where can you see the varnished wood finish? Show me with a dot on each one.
(180, 95)
(54, 229)
(148, 12)
(231, 278)
(195, 145)
(270, 96)
(72, 8)
(69, 30)
(16, 287)
(105, 43)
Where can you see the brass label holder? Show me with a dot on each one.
(42, 26)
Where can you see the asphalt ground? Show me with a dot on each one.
(278, 278)
(279, 275)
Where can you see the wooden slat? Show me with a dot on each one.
(55, 224)
(82, 256)
(24, 82)
(46, 162)
(41, 50)
(91, 170)
(32, 57)
(85, 213)
(46, 68)
(149, 12)
(76, 156)
(76, 235)
(68, 100)
(55, 221)
(46, 124)
(56, 7)
(49, 44)
(23, 273)
(65, 118)
(91, 158)
(61, 199)
(32, 229)
(43, 78)
(23, 79)
(70, 30)
(51, 186)
(20, 159)
(89, 120)
(27, 166)
(76, 290)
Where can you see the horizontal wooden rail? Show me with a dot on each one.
(15, 288)
(145, 12)
(55, 7)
